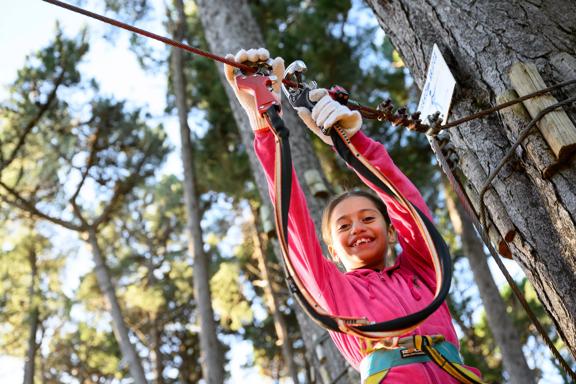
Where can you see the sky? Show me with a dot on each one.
(27, 26)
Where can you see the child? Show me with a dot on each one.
(358, 229)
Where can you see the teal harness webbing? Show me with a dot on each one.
(384, 359)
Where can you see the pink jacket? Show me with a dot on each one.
(404, 288)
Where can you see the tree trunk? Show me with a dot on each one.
(155, 336)
(505, 333)
(29, 366)
(480, 41)
(120, 329)
(155, 351)
(228, 28)
(271, 300)
(211, 355)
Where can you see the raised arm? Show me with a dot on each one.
(328, 112)
(317, 273)
(305, 253)
(415, 249)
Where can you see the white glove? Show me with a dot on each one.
(248, 101)
(328, 112)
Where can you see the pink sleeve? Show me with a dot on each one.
(316, 273)
(415, 250)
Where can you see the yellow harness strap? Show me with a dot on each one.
(454, 369)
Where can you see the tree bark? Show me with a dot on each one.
(480, 41)
(271, 300)
(228, 28)
(34, 319)
(108, 291)
(211, 355)
(156, 363)
(505, 333)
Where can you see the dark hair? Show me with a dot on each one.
(326, 236)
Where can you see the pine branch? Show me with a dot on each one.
(28, 206)
(43, 108)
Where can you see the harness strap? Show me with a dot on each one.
(375, 367)
(359, 327)
(444, 360)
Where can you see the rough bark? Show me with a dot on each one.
(505, 333)
(481, 40)
(113, 306)
(211, 356)
(228, 28)
(156, 363)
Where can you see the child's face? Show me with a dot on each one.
(359, 234)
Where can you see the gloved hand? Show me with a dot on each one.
(328, 112)
(248, 101)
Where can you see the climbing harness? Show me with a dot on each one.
(297, 92)
(416, 349)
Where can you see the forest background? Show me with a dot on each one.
(119, 90)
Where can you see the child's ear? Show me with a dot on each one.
(392, 235)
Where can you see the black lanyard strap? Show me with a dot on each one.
(360, 327)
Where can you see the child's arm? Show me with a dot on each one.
(328, 112)
(317, 273)
(408, 235)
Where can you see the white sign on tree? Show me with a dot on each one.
(438, 88)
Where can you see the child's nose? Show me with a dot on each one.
(358, 226)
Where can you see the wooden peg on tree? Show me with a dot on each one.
(556, 127)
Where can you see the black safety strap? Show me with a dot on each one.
(283, 179)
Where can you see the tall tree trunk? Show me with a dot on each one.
(108, 291)
(480, 41)
(230, 26)
(211, 355)
(155, 351)
(155, 336)
(34, 317)
(505, 333)
(271, 299)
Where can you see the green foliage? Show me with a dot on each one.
(155, 275)
(86, 353)
(73, 163)
(103, 156)
(528, 330)
(228, 301)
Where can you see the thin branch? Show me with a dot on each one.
(89, 164)
(28, 206)
(120, 189)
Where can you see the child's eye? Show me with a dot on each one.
(369, 219)
(342, 227)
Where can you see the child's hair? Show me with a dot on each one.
(326, 234)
